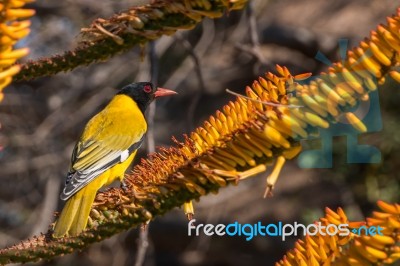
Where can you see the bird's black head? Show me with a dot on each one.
(143, 93)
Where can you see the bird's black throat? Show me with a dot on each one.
(142, 105)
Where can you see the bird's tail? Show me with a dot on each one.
(75, 215)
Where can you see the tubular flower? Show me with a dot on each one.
(376, 249)
(353, 249)
(13, 27)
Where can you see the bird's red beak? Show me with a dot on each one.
(161, 92)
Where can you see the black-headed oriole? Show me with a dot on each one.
(104, 151)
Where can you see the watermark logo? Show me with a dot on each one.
(249, 231)
(367, 110)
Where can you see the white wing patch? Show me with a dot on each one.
(124, 156)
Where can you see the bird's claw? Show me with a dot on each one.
(123, 186)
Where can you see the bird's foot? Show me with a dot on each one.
(123, 186)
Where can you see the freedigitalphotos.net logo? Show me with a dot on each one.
(249, 231)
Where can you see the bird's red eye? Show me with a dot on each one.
(147, 88)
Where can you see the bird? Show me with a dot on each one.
(105, 149)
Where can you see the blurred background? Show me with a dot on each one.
(42, 119)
